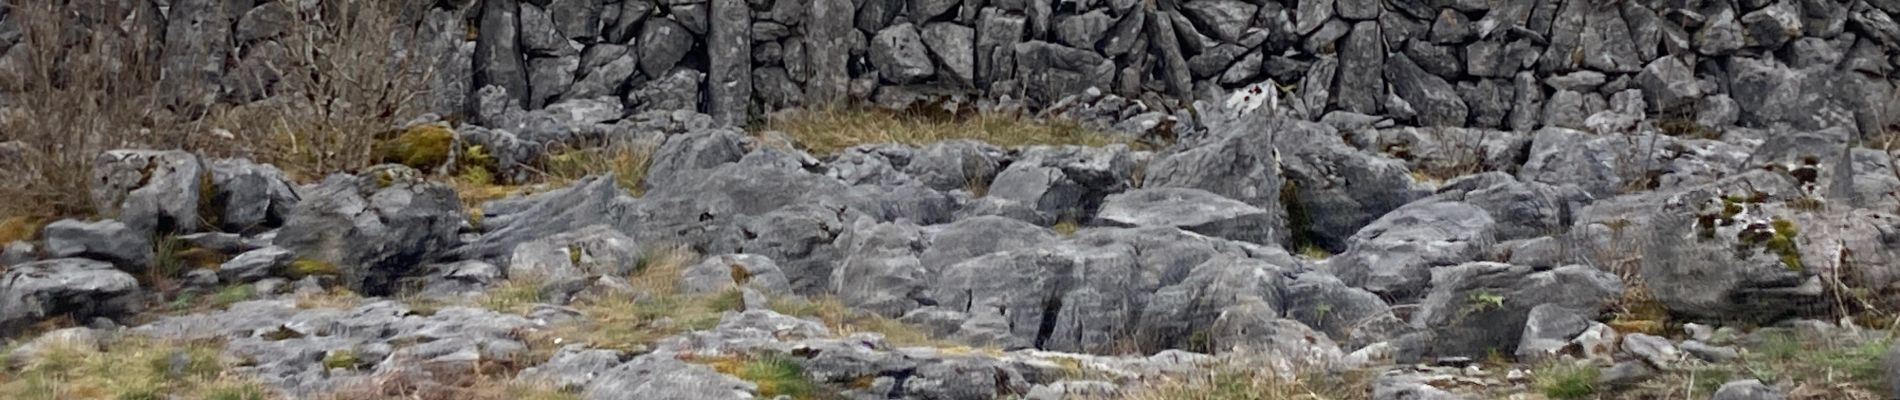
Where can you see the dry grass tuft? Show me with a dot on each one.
(827, 131)
(1256, 384)
(446, 385)
(333, 298)
(628, 164)
(843, 321)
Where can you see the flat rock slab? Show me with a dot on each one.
(1193, 210)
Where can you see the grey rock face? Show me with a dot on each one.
(735, 270)
(729, 75)
(663, 43)
(109, 241)
(253, 197)
(1477, 306)
(498, 60)
(1438, 102)
(374, 227)
(510, 222)
(1669, 84)
(1236, 164)
(954, 47)
(256, 265)
(197, 39)
(882, 272)
(900, 55)
(150, 190)
(1714, 272)
(1196, 211)
(1747, 390)
(1396, 255)
(1361, 67)
(572, 368)
(81, 289)
(596, 250)
(1655, 350)
(1548, 331)
(677, 90)
(1353, 317)
(1226, 20)
(1049, 72)
(1069, 182)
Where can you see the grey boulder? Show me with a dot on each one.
(1749, 389)
(375, 227)
(735, 271)
(110, 241)
(1476, 307)
(1194, 210)
(150, 190)
(81, 289)
(255, 265)
(1396, 255)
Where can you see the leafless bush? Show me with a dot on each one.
(82, 77)
(343, 85)
(77, 85)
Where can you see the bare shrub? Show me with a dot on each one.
(77, 86)
(345, 84)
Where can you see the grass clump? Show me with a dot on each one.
(335, 297)
(627, 163)
(1566, 381)
(828, 131)
(341, 359)
(1066, 227)
(775, 374)
(513, 296)
(1783, 357)
(1782, 243)
(133, 367)
(844, 321)
(424, 147)
(19, 228)
(302, 267)
(1256, 384)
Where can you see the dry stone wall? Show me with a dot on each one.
(1519, 65)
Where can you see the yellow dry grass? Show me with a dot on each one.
(827, 131)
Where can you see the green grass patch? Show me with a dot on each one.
(133, 367)
(775, 374)
(1566, 381)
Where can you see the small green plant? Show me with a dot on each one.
(1481, 301)
(513, 295)
(232, 295)
(302, 267)
(1566, 381)
(1066, 228)
(1783, 243)
(627, 163)
(341, 359)
(423, 147)
(1314, 252)
(775, 374)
